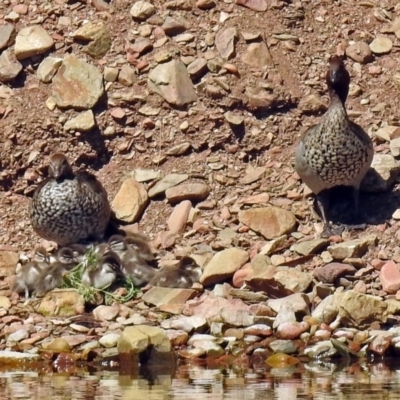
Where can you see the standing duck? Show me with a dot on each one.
(337, 151)
(69, 207)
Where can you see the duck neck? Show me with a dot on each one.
(337, 101)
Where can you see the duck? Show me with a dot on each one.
(69, 207)
(182, 276)
(104, 274)
(337, 151)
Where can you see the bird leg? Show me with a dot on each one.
(323, 202)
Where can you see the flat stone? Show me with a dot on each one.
(352, 248)
(223, 265)
(359, 52)
(141, 45)
(130, 201)
(173, 26)
(110, 74)
(381, 45)
(395, 147)
(205, 4)
(171, 81)
(332, 271)
(225, 42)
(62, 303)
(312, 104)
(32, 41)
(299, 302)
(127, 75)
(161, 296)
(283, 346)
(179, 149)
(141, 10)
(384, 171)
(83, 122)
(194, 323)
(234, 118)
(390, 277)
(136, 339)
(197, 68)
(179, 217)
(253, 175)
(6, 35)
(145, 175)
(167, 182)
(9, 357)
(257, 55)
(77, 84)
(310, 246)
(110, 340)
(255, 5)
(388, 133)
(106, 313)
(271, 222)
(48, 68)
(9, 67)
(187, 191)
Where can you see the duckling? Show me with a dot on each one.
(140, 243)
(182, 276)
(337, 151)
(28, 275)
(50, 279)
(104, 273)
(69, 207)
(67, 257)
(78, 251)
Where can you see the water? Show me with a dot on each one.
(317, 381)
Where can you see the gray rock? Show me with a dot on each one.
(9, 68)
(310, 246)
(171, 81)
(77, 84)
(283, 346)
(383, 173)
(167, 182)
(141, 10)
(257, 55)
(225, 42)
(48, 68)
(32, 41)
(83, 122)
(6, 35)
(351, 248)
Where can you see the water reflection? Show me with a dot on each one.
(317, 381)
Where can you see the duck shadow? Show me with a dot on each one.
(373, 209)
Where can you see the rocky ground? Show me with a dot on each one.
(188, 112)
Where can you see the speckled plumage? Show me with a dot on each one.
(67, 207)
(337, 151)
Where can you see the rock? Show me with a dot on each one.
(355, 309)
(48, 68)
(171, 81)
(32, 41)
(299, 302)
(271, 222)
(160, 296)
(383, 173)
(259, 99)
(127, 75)
(97, 34)
(257, 55)
(110, 340)
(8, 262)
(141, 10)
(106, 313)
(179, 217)
(390, 277)
(271, 246)
(145, 175)
(208, 348)
(179, 149)
(312, 104)
(197, 68)
(205, 4)
(352, 249)
(5, 303)
(291, 330)
(255, 5)
(381, 45)
(223, 265)
(237, 314)
(77, 84)
(395, 147)
(283, 346)
(100, 5)
(172, 26)
(167, 182)
(15, 357)
(330, 272)
(234, 118)
(58, 345)
(110, 74)
(359, 52)
(380, 344)
(137, 339)
(324, 349)
(140, 46)
(130, 201)
(187, 191)
(388, 133)
(225, 42)
(9, 68)
(83, 122)
(6, 35)
(195, 323)
(62, 303)
(310, 246)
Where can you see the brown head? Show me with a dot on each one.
(59, 167)
(117, 243)
(338, 78)
(41, 255)
(66, 256)
(111, 259)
